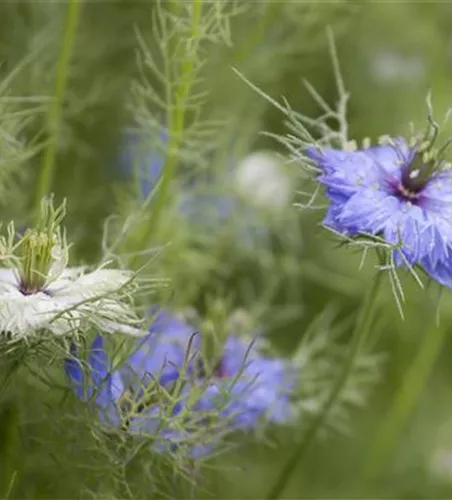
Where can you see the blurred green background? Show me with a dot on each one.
(391, 54)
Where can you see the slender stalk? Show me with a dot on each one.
(53, 118)
(9, 444)
(403, 404)
(9, 421)
(359, 336)
(177, 111)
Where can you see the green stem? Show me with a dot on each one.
(403, 404)
(54, 113)
(176, 117)
(9, 428)
(9, 448)
(359, 336)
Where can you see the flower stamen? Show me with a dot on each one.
(36, 262)
(40, 249)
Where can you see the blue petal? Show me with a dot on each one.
(98, 361)
(108, 386)
(74, 371)
(369, 209)
(391, 157)
(440, 271)
(345, 171)
(163, 352)
(250, 389)
(139, 160)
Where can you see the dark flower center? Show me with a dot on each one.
(417, 173)
(203, 371)
(26, 289)
(220, 371)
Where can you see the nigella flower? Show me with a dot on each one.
(245, 386)
(244, 389)
(39, 293)
(261, 178)
(398, 190)
(391, 66)
(63, 304)
(250, 388)
(134, 397)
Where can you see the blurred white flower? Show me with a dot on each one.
(70, 301)
(441, 464)
(394, 67)
(260, 176)
(449, 48)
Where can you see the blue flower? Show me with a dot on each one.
(129, 397)
(245, 389)
(136, 160)
(250, 388)
(398, 191)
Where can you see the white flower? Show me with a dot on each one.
(441, 464)
(39, 293)
(393, 67)
(260, 177)
(67, 303)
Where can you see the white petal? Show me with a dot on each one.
(66, 305)
(92, 284)
(114, 327)
(22, 315)
(8, 276)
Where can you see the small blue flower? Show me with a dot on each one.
(245, 388)
(398, 191)
(129, 397)
(249, 387)
(136, 160)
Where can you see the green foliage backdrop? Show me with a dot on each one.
(75, 74)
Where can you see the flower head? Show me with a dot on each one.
(138, 396)
(245, 388)
(249, 387)
(74, 299)
(390, 66)
(260, 178)
(38, 292)
(399, 190)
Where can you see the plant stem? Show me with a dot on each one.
(53, 118)
(403, 404)
(177, 110)
(359, 336)
(9, 444)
